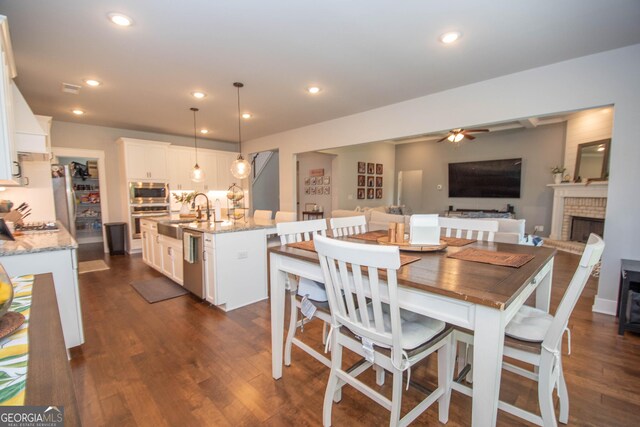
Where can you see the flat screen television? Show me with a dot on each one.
(491, 178)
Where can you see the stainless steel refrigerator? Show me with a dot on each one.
(64, 197)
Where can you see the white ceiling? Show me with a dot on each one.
(363, 53)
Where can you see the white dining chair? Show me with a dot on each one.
(534, 337)
(382, 333)
(348, 225)
(468, 228)
(298, 287)
(262, 214)
(285, 216)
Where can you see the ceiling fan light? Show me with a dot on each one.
(455, 137)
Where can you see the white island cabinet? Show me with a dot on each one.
(50, 252)
(236, 267)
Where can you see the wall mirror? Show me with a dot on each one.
(592, 162)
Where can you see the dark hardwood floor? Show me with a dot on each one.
(182, 362)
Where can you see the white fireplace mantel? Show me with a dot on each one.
(561, 191)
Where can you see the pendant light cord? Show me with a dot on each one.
(239, 85)
(195, 132)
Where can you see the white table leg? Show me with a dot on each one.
(488, 346)
(277, 281)
(543, 291)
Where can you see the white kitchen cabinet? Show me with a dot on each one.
(63, 264)
(172, 258)
(209, 269)
(181, 161)
(224, 176)
(207, 160)
(9, 166)
(145, 160)
(147, 239)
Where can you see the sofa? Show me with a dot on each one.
(509, 230)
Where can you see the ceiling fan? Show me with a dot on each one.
(457, 135)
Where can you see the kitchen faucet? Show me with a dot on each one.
(205, 196)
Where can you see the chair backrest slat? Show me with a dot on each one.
(466, 228)
(298, 231)
(590, 257)
(350, 286)
(348, 226)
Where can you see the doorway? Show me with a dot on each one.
(265, 181)
(86, 178)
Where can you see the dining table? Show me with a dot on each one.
(476, 296)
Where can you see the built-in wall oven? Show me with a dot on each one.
(139, 212)
(148, 192)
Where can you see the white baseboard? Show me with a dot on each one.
(605, 306)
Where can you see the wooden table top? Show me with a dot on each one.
(485, 284)
(49, 381)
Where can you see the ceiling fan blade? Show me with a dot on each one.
(476, 130)
(471, 137)
(442, 139)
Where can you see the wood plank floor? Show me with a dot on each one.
(182, 362)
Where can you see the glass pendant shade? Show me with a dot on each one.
(197, 174)
(240, 168)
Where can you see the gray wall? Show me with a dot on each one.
(87, 137)
(540, 148)
(307, 162)
(266, 188)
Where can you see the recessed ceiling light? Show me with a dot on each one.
(246, 115)
(92, 82)
(77, 111)
(120, 19)
(198, 95)
(313, 90)
(450, 37)
(204, 131)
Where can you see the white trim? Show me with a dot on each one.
(604, 306)
(561, 191)
(94, 154)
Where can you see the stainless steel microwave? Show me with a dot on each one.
(148, 192)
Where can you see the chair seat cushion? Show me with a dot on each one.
(529, 324)
(314, 290)
(416, 329)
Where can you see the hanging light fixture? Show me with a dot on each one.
(197, 174)
(240, 168)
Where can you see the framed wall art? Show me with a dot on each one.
(326, 180)
(369, 193)
(378, 193)
(361, 181)
(370, 181)
(327, 189)
(360, 193)
(362, 167)
(378, 168)
(371, 168)
(378, 181)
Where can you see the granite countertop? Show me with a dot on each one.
(215, 227)
(229, 226)
(39, 242)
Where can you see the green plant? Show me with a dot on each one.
(558, 169)
(184, 197)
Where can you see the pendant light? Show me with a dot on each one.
(197, 174)
(240, 168)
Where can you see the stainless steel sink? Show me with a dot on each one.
(181, 221)
(170, 229)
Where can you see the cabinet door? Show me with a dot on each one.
(225, 178)
(145, 248)
(146, 162)
(209, 270)
(167, 260)
(8, 153)
(181, 161)
(176, 257)
(157, 252)
(209, 164)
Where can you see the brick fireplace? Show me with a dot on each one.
(571, 201)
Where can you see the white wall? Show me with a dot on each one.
(605, 78)
(346, 174)
(73, 135)
(586, 126)
(540, 149)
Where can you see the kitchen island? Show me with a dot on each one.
(231, 261)
(50, 252)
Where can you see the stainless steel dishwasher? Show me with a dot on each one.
(192, 261)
